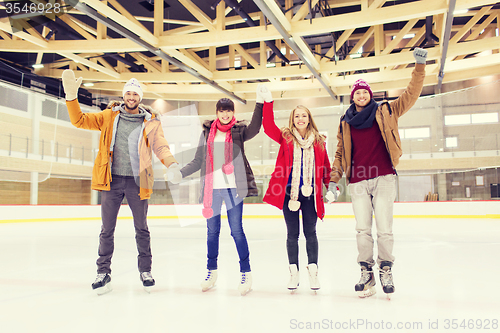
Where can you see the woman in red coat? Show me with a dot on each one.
(302, 168)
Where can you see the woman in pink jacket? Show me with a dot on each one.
(302, 167)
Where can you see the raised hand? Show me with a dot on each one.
(71, 84)
(420, 55)
(263, 94)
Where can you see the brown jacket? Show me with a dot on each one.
(106, 122)
(387, 117)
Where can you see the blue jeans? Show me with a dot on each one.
(234, 206)
(369, 197)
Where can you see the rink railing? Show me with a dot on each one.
(191, 214)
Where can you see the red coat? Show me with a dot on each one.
(275, 194)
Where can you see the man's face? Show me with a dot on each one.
(132, 100)
(361, 97)
(225, 116)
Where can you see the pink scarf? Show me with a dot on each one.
(227, 168)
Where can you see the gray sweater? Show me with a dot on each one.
(126, 148)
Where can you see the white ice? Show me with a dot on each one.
(446, 273)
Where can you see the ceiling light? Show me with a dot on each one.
(37, 66)
(88, 84)
(460, 12)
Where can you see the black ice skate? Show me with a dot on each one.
(147, 281)
(102, 283)
(386, 278)
(366, 284)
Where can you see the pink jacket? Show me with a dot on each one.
(275, 194)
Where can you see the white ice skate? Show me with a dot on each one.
(385, 274)
(209, 281)
(294, 277)
(102, 284)
(245, 284)
(147, 281)
(313, 276)
(366, 284)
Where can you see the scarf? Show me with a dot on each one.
(227, 167)
(306, 164)
(362, 119)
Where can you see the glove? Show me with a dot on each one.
(70, 84)
(263, 94)
(420, 55)
(333, 193)
(173, 174)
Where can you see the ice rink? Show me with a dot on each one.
(446, 276)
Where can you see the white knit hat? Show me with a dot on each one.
(133, 85)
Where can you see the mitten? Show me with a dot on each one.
(420, 55)
(70, 84)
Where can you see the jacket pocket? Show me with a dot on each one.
(101, 172)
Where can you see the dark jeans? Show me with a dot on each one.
(234, 206)
(309, 218)
(123, 186)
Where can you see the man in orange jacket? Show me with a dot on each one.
(130, 132)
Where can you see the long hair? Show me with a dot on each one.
(311, 128)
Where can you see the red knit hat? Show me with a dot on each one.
(361, 84)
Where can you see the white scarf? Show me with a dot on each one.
(306, 164)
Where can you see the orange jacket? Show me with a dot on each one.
(387, 116)
(106, 122)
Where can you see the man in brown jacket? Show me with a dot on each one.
(130, 132)
(368, 152)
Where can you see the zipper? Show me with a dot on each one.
(386, 141)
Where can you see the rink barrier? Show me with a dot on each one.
(192, 213)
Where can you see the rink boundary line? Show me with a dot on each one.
(69, 219)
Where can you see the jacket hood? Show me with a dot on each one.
(208, 123)
(116, 105)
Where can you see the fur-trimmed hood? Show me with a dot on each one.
(116, 105)
(208, 123)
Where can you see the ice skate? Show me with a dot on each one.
(245, 284)
(313, 276)
(147, 281)
(294, 278)
(386, 279)
(209, 281)
(102, 284)
(366, 285)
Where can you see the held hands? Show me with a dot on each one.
(420, 55)
(173, 174)
(263, 94)
(70, 84)
(333, 193)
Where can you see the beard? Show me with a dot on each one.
(131, 105)
(362, 104)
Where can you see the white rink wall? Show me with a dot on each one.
(192, 213)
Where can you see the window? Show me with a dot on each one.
(475, 118)
(485, 118)
(415, 133)
(458, 119)
(452, 142)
